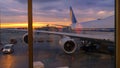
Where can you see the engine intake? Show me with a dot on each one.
(68, 45)
(25, 38)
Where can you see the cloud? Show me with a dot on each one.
(37, 1)
(56, 9)
(93, 4)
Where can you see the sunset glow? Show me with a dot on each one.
(25, 25)
(52, 12)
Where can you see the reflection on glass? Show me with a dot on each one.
(77, 34)
(9, 60)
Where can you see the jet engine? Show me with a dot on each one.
(68, 45)
(25, 38)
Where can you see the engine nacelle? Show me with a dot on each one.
(25, 38)
(68, 45)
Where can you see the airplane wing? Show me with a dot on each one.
(69, 45)
(81, 36)
(105, 38)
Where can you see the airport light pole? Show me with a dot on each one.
(30, 34)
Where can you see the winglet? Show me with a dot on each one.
(72, 16)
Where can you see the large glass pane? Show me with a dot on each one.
(74, 33)
(13, 18)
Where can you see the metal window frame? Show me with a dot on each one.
(117, 33)
(30, 34)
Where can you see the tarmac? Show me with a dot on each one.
(47, 51)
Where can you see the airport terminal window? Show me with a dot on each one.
(59, 40)
(13, 50)
(73, 34)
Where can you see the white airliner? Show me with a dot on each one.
(74, 24)
(100, 25)
(67, 42)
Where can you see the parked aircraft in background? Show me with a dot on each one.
(102, 25)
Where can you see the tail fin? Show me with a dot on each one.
(72, 16)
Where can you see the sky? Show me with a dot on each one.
(13, 13)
